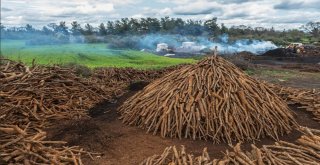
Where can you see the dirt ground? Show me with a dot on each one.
(293, 77)
(120, 144)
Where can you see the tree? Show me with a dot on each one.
(76, 28)
(110, 27)
(124, 25)
(117, 27)
(29, 28)
(224, 29)
(178, 25)
(166, 24)
(153, 25)
(88, 29)
(2, 27)
(62, 28)
(45, 30)
(2, 30)
(134, 25)
(102, 30)
(313, 28)
(53, 27)
(212, 26)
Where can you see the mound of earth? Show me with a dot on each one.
(280, 52)
(246, 55)
(311, 51)
(212, 100)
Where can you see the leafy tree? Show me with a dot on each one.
(62, 28)
(224, 29)
(211, 26)
(102, 30)
(313, 28)
(134, 25)
(167, 24)
(46, 31)
(88, 29)
(153, 25)
(53, 26)
(117, 27)
(76, 28)
(2, 27)
(2, 31)
(110, 27)
(29, 28)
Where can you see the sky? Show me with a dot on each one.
(280, 14)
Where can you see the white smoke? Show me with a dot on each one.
(194, 44)
(253, 46)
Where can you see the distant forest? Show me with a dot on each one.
(61, 32)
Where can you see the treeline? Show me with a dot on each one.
(131, 26)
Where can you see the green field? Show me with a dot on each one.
(90, 55)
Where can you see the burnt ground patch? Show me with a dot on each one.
(138, 85)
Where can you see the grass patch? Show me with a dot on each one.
(89, 55)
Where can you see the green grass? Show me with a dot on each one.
(90, 55)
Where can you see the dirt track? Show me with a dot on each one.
(121, 144)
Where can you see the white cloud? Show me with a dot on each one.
(285, 13)
(200, 7)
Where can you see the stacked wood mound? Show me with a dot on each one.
(305, 151)
(33, 98)
(306, 98)
(212, 100)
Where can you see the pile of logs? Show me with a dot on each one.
(305, 151)
(22, 145)
(33, 98)
(131, 75)
(212, 100)
(307, 99)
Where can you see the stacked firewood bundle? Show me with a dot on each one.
(305, 151)
(47, 93)
(131, 75)
(212, 100)
(307, 99)
(27, 145)
(34, 98)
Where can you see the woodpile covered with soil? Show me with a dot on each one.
(212, 100)
(304, 151)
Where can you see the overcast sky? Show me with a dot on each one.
(280, 14)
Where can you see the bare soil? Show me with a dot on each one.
(292, 77)
(120, 144)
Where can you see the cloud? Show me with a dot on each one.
(237, 15)
(288, 5)
(284, 13)
(298, 5)
(5, 9)
(194, 12)
(156, 12)
(197, 8)
(232, 1)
